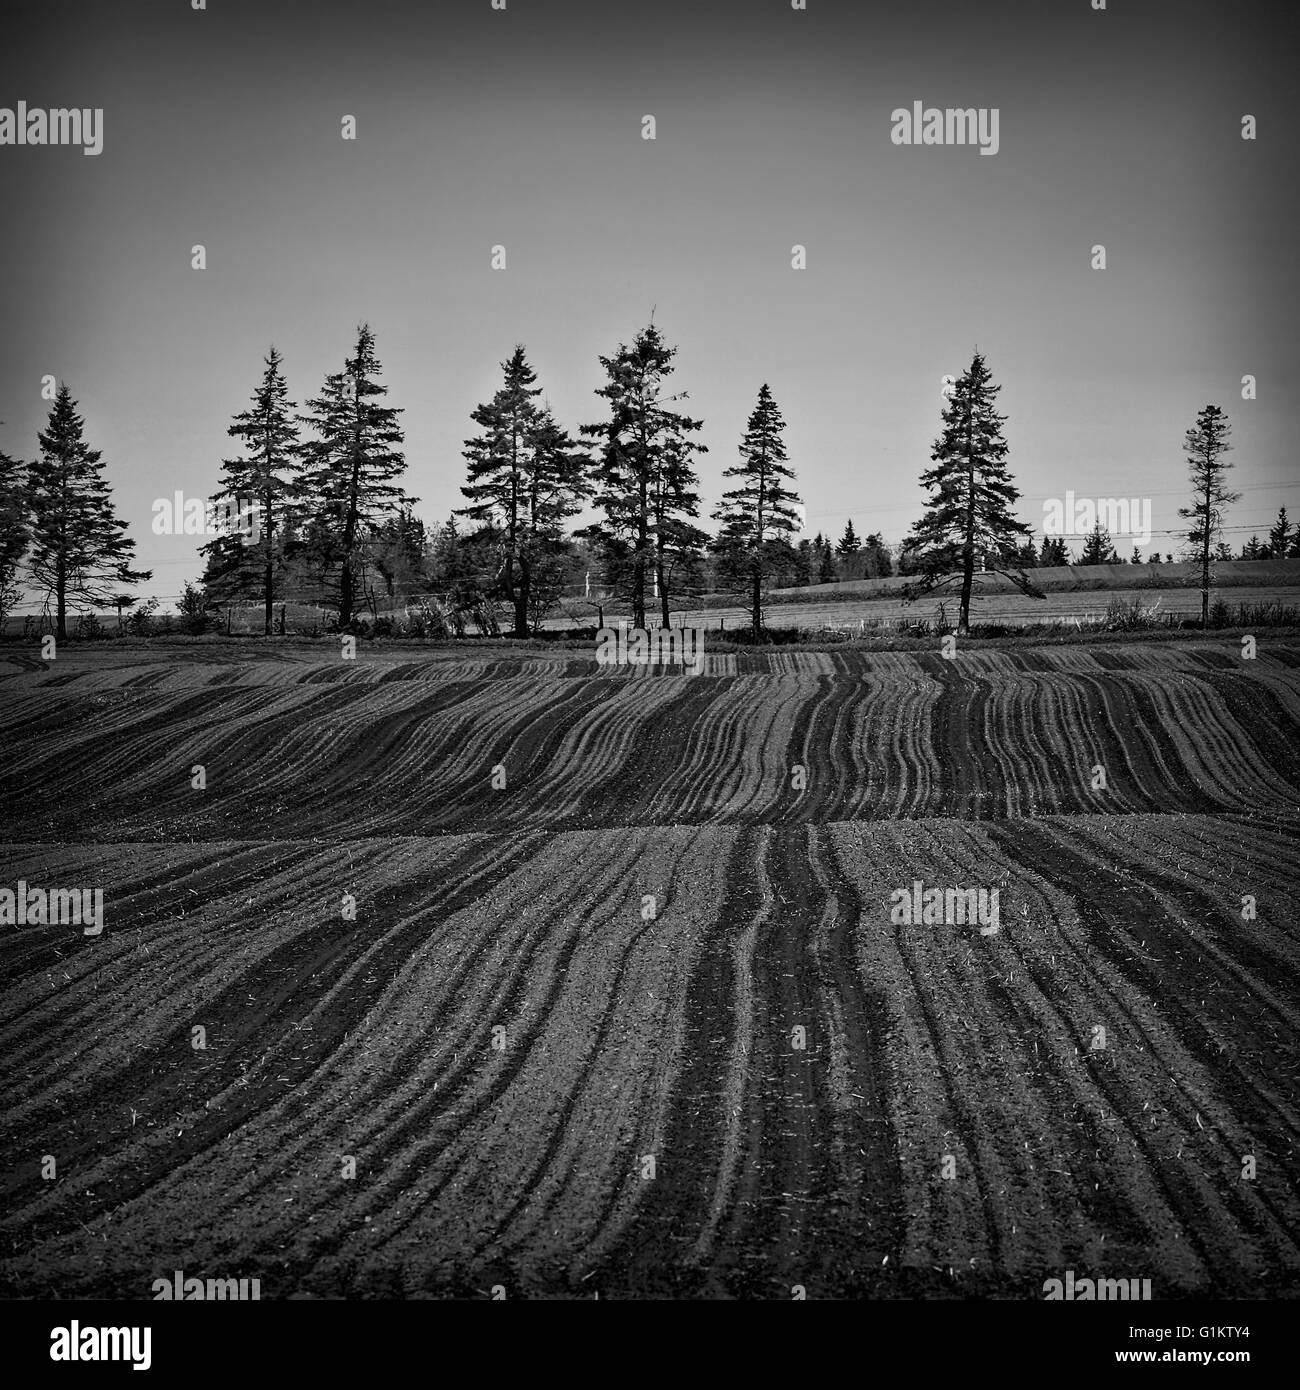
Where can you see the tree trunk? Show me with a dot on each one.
(270, 583)
(663, 594)
(638, 591)
(345, 592)
(756, 612)
(521, 599)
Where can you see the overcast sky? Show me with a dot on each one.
(524, 127)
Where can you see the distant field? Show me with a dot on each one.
(1228, 574)
(1009, 608)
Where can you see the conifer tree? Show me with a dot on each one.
(826, 571)
(757, 518)
(848, 545)
(525, 479)
(1205, 444)
(967, 524)
(878, 563)
(266, 482)
(645, 479)
(15, 531)
(351, 468)
(80, 549)
(1097, 547)
(1279, 538)
(1054, 553)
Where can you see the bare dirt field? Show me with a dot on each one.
(623, 1005)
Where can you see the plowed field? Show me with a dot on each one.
(520, 972)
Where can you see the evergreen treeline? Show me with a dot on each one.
(323, 515)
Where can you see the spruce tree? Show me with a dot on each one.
(351, 468)
(15, 531)
(267, 476)
(1205, 445)
(967, 522)
(645, 479)
(877, 561)
(1279, 538)
(1054, 553)
(849, 540)
(1097, 547)
(678, 543)
(526, 478)
(826, 571)
(80, 549)
(757, 518)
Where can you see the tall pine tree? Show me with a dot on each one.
(1279, 538)
(967, 524)
(80, 549)
(1097, 547)
(351, 468)
(526, 477)
(757, 518)
(1205, 445)
(15, 531)
(645, 479)
(268, 476)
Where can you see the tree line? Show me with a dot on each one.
(334, 521)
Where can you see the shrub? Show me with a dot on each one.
(1267, 615)
(195, 618)
(140, 621)
(1131, 615)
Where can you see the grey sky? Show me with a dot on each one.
(523, 128)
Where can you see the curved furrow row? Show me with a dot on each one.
(574, 970)
(589, 1163)
(1140, 764)
(1260, 714)
(1026, 705)
(1216, 753)
(177, 904)
(1210, 1103)
(1038, 1030)
(151, 764)
(81, 736)
(609, 765)
(1152, 1068)
(673, 748)
(265, 1045)
(185, 971)
(654, 1251)
(290, 768)
(1251, 1016)
(945, 1218)
(1262, 855)
(735, 765)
